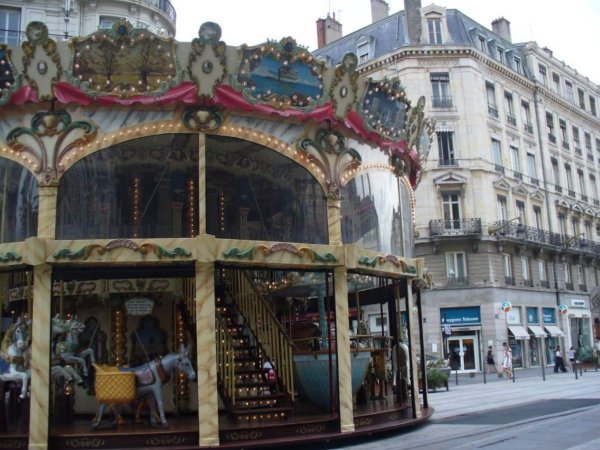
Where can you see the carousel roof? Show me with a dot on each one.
(276, 79)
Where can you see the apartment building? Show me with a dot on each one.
(68, 18)
(508, 210)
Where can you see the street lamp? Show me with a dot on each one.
(495, 229)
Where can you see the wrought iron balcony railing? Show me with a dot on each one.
(545, 284)
(510, 281)
(528, 283)
(528, 127)
(493, 111)
(569, 286)
(583, 288)
(458, 281)
(442, 101)
(460, 227)
(512, 120)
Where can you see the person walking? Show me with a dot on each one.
(559, 362)
(571, 355)
(507, 361)
(491, 364)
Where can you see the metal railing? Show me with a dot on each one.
(511, 120)
(441, 102)
(458, 281)
(493, 111)
(447, 162)
(164, 6)
(552, 138)
(454, 227)
(510, 281)
(528, 127)
(269, 333)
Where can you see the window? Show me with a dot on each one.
(575, 132)
(491, 99)
(482, 45)
(363, 50)
(440, 85)
(580, 277)
(434, 27)
(531, 169)
(542, 270)
(526, 117)
(567, 274)
(569, 91)
(593, 187)
(501, 205)
(588, 140)
(587, 227)
(520, 211)
(500, 53)
(445, 141)
(550, 128)
(555, 174)
(569, 178)
(542, 74)
(497, 154)
(562, 224)
(451, 207)
(10, 21)
(581, 181)
(525, 268)
(510, 108)
(581, 96)
(592, 105)
(537, 216)
(518, 67)
(515, 160)
(507, 264)
(556, 82)
(563, 134)
(455, 266)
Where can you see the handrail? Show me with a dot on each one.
(225, 358)
(276, 345)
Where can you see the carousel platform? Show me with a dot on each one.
(376, 416)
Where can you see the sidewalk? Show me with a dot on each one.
(472, 395)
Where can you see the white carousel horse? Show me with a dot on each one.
(14, 345)
(404, 371)
(68, 350)
(150, 378)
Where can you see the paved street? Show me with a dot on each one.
(557, 414)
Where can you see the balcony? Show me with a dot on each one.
(565, 145)
(447, 162)
(583, 288)
(569, 286)
(518, 175)
(499, 168)
(511, 120)
(584, 197)
(528, 128)
(552, 138)
(571, 192)
(534, 181)
(578, 151)
(590, 157)
(462, 227)
(509, 281)
(528, 283)
(441, 102)
(557, 188)
(545, 284)
(493, 111)
(164, 6)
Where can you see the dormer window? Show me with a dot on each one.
(365, 49)
(434, 28)
(500, 53)
(518, 67)
(482, 44)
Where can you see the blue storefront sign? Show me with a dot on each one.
(469, 315)
(549, 315)
(532, 315)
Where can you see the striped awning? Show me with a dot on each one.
(519, 332)
(537, 331)
(554, 331)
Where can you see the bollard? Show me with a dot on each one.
(456, 374)
(575, 369)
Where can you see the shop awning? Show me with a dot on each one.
(519, 332)
(537, 331)
(554, 330)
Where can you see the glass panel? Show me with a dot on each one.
(142, 188)
(468, 348)
(18, 202)
(551, 344)
(371, 216)
(253, 192)
(517, 351)
(534, 354)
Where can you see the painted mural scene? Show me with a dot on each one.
(209, 245)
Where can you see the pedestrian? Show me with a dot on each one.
(559, 362)
(491, 364)
(507, 361)
(571, 354)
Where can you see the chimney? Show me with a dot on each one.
(379, 10)
(501, 27)
(328, 30)
(412, 14)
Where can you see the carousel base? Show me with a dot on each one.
(376, 416)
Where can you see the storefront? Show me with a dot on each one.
(537, 335)
(461, 334)
(553, 333)
(580, 328)
(518, 336)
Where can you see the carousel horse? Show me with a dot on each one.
(69, 349)
(12, 349)
(150, 378)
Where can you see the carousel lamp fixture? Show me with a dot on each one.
(191, 187)
(135, 207)
(222, 211)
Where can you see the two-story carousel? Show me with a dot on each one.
(189, 235)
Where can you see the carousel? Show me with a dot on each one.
(192, 241)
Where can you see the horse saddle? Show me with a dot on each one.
(144, 376)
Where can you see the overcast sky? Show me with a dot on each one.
(566, 26)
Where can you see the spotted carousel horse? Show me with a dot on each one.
(69, 349)
(12, 349)
(150, 378)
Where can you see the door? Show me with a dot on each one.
(463, 351)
